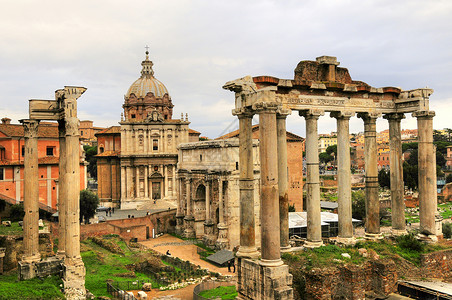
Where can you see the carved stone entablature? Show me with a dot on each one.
(30, 128)
(154, 116)
(260, 107)
(244, 85)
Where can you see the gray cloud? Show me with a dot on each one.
(198, 45)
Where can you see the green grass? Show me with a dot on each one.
(225, 292)
(447, 214)
(36, 289)
(14, 229)
(102, 265)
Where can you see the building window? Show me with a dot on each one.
(23, 151)
(49, 151)
(133, 116)
(2, 173)
(200, 157)
(156, 168)
(155, 145)
(101, 149)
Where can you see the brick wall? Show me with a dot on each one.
(438, 264)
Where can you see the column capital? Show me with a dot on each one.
(311, 113)
(30, 128)
(394, 116)
(266, 107)
(424, 114)
(282, 113)
(342, 114)
(71, 126)
(369, 116)
(242, 112)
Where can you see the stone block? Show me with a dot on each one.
(6, 223)
(26, 270)
(142, 295)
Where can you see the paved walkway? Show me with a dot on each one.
(160, 205)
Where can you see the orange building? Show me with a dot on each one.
(12, 150)
(295, 148)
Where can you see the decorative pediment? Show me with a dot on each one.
(154, 116)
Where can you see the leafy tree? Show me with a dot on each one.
(449, 178)
(17, 212)
(410, 175)
(359, 205)
(91, 152)
(88, 204)
(291, 207)
(325, 157)
(384, 178)
(332, 149)
(447, 230)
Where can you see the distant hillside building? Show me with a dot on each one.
(137, 160)
(87, 132)
(12, 151)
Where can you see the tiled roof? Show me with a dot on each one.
(41, 205)
(235, 134)
(16, 130)
(191, 131)
(110, 130)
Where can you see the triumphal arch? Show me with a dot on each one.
(318, 87)
(64, 110)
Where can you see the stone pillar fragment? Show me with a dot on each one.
(314, 238)
(427, 176)
(246, 183)
(180, 209)
(372, 200)
(283, 184)
(31, 197)
(208, 237)
(344, 200)
(396, 174)
(270, 227)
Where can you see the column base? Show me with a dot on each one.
(74, 279)
(373, 236)
(286, 249)
(27, 270)
(398, 232)
(247, 252)
(431, 239)
(310, 244)
(255, 281)
(31, 258)
(271, 262)
(346, 241)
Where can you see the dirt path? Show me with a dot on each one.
(186, 251)
(182, 249)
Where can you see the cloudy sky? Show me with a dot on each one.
(197, 46)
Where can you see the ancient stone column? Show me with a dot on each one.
(73, 270)
(31, 193)
(344, 200)
(180, 209)
(207, 200)
(62, 192)
(370, 161)
(123, 184)
(137, 182)
(146, 183)
(396, 173)
(246, 183)
(165, 174)
(189, 219)
(208, 237)
(283, 184)
(270, 227)
(314, 238)
(427, 173)
(222, 241)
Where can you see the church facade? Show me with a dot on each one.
(137, 160)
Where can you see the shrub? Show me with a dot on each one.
(410, 242)
(447, 230)
(17, 212)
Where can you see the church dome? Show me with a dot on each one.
(147, 82)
